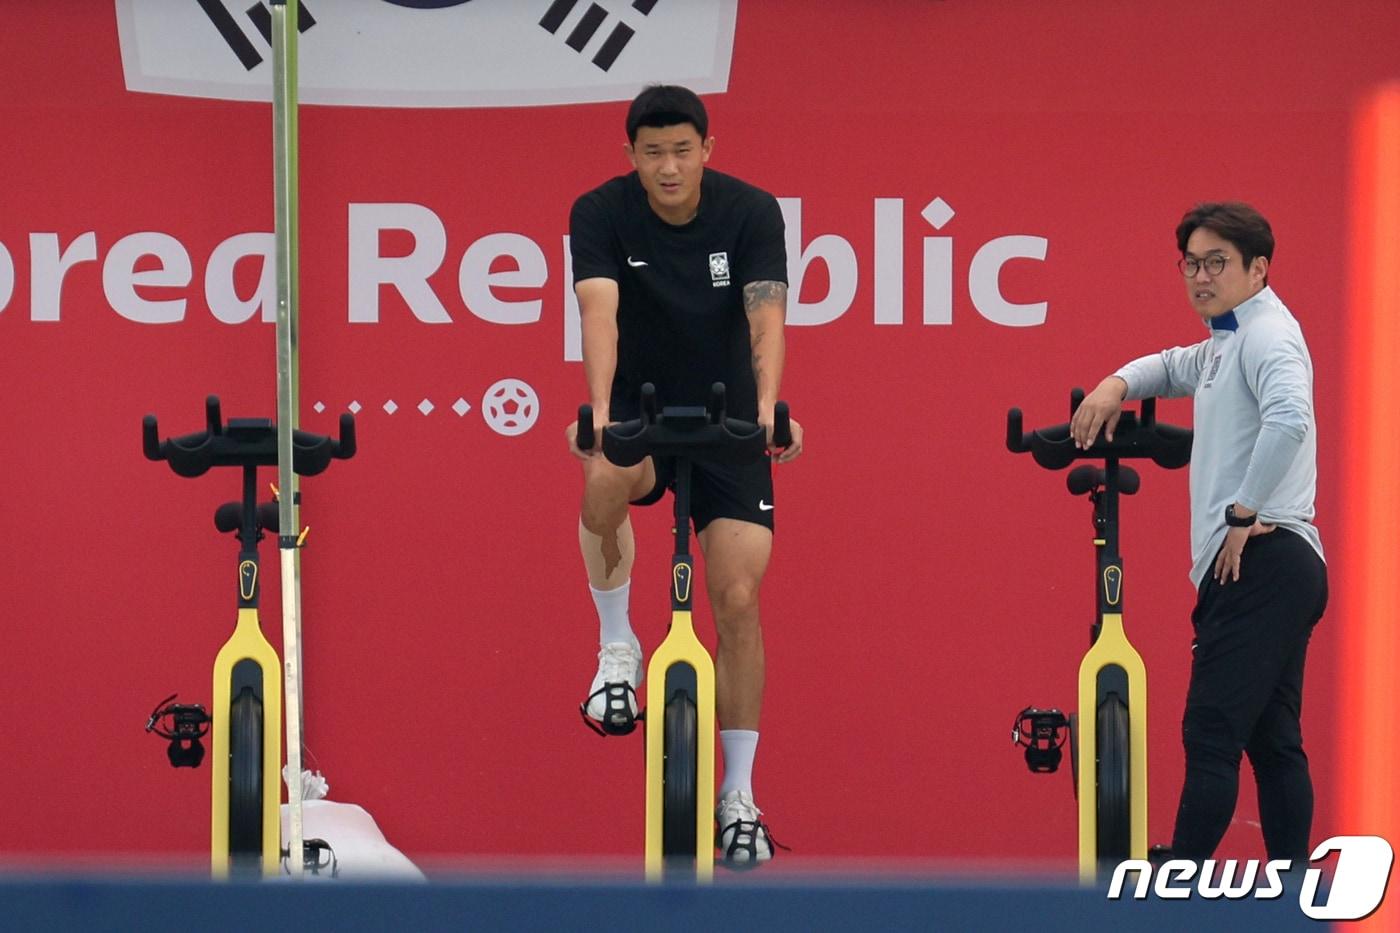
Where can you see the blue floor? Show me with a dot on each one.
(92, 903)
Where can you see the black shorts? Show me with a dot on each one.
(719, 490)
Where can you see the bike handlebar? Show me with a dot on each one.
(243, 442)
(1139, 435)
(782, 425)
(586, 438)
(701, 433)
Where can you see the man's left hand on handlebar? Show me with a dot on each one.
(790, 452)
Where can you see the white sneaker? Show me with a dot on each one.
(619, 662)
(742, 836)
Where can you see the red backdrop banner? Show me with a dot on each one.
(980, 202)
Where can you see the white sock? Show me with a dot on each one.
(613, 624)
(739, 745)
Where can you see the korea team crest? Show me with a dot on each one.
(719, 269)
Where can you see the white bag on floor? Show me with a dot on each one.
(361, 851)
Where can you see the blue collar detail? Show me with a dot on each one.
(1226, 321)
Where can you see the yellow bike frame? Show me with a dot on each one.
(246, 663)
(1111, 650)
(1111, 672)
(681, 647)
(681, 665)
(249, 652)
(678, 650)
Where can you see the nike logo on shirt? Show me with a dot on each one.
(635, 263)
(764, 506)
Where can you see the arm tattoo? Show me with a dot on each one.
(760, 293)
(755, 355)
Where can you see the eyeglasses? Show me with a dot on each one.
(1214, 265)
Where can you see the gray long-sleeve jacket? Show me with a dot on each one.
(1255, 432)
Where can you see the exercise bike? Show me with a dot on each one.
(1111, 733)
(680, 754)
(247, 706)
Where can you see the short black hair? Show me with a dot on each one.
(666, 105)
(1234, 221)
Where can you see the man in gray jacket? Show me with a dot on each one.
(1256, 556)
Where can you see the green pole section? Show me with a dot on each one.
(284, 146)
(285, 174)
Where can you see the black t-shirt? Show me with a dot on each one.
(680, 317)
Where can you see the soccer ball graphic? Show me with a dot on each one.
(510, 407)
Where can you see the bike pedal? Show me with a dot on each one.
(619, 699)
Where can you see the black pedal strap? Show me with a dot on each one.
(616, 697)
(745, 840)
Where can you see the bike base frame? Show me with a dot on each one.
(1111, 659)
(681, 646)
(247, 644)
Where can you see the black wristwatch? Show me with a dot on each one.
(1235, 521)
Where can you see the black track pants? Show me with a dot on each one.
(1246, 695)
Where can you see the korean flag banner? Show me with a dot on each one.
(431, 53)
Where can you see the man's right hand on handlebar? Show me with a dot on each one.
(600, 421)
(1101, 408)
